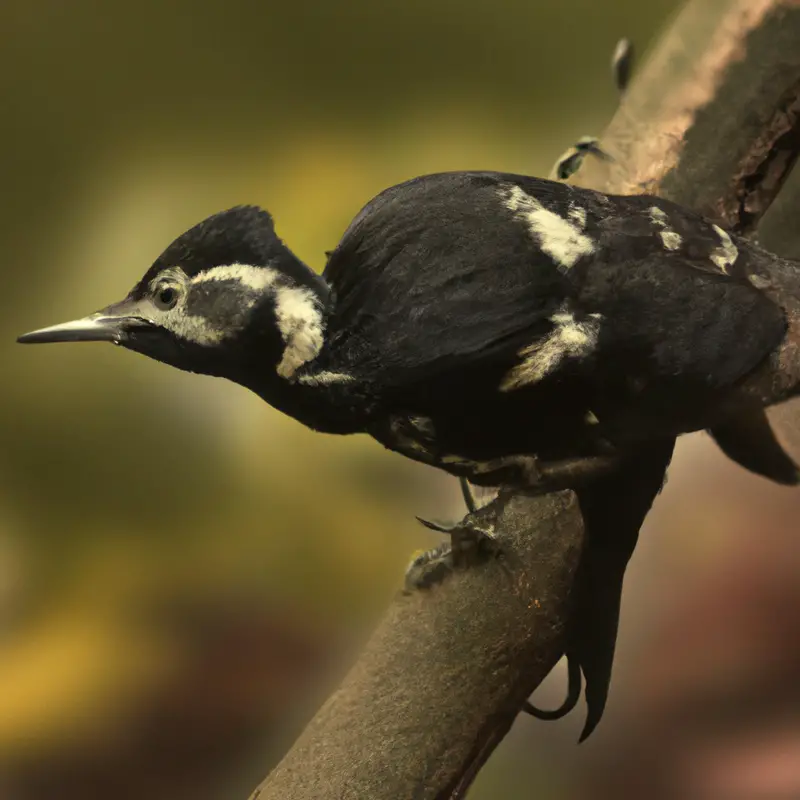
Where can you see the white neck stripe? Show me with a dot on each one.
(255, 278)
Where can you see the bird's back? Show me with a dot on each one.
(518, 290)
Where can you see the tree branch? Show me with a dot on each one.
(444, 675)
(711, 122)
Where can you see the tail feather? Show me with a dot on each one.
(570, 701)
(749, 440)
(613, 508)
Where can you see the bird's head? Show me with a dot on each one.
(225, 298)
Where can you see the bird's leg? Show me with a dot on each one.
(470, 541)
(469, 502)
(469, 497)
(411, 437)
(541, 477)
(572, 473)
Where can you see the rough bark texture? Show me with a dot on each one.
(447, 670)
(711, 121)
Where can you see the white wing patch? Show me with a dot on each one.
(325, 378)
(569, 338)
(562, 239)
(300, 323)
(590, 418)
(577, 215)
(726, 254)
(670, 239)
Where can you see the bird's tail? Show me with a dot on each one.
(613, 508)
(749, 440)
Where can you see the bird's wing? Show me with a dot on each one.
(464, 271)
(432, 275)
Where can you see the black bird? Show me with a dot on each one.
(506, 329)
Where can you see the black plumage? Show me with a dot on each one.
(438, 287)
(494, 326)
(613, 510)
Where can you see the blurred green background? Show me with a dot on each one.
(184, 573)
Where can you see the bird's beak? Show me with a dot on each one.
(112, 324)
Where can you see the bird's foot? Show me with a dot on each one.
(472, 541)
(430, 567)
(469, 501)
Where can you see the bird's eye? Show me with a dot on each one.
(166, 297)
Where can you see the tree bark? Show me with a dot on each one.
(447, 670)
(711, 121)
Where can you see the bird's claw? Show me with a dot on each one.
(469, 502)
(439, 527)
(429, 568)
(471, 542)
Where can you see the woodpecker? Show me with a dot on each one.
(507, 329)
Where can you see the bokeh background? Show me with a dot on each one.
(184, 573)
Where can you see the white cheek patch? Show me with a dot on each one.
(670, 239)
(299, 320)
(562, 239)
(569, 338)
(189, 327)
(198, 328)
(726, 254)
(297, 314)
